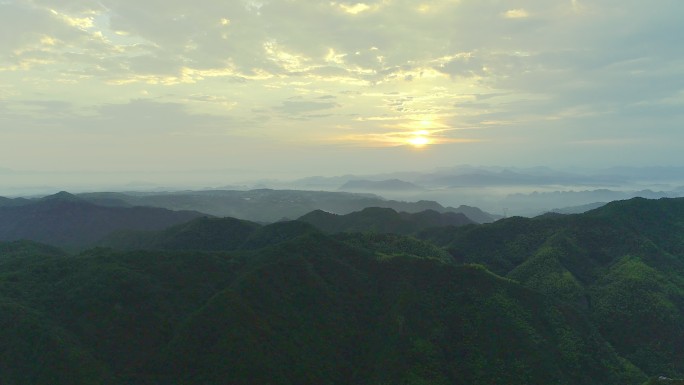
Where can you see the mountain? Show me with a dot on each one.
(5, 202)
(382, 185)
(545, 201)
(308, 310)
(592, 298)
(578, 209)
(204, 234)
(473, 213)
(623, 263)
(482, 177)
(68, 221)
(209, 234)
(383, 220)
(267, 206)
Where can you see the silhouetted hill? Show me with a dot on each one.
(383, 220)
(5, 202)
(578, 209)
(537, 202)
(61, 196)
(506, 177)
(382, 185)
(68, 221)
(205, 234)
(268, 206)
(210, 234)
(473, 213)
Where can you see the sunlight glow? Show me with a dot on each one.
(420, 139)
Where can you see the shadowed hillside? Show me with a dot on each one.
(383, 220)
(595, 298)
(273, 205)
(308, 310)
(68, 221)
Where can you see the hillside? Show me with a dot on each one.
(68, 221)
(307, 310)
(623, 263)
(383, 220)
(201, 234)
(594, 298)
(268, 206)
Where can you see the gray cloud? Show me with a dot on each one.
(299, 107)
(140, 115)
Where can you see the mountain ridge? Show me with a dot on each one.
(383, 220)
(68, 221)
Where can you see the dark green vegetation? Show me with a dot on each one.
(68, 221)
(226, 234)
(273, 205)
(623, 264)
(309, 310)
(383, 220)
(596, 298)
(664, 381)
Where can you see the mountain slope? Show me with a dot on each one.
(203, 234)
(623, 263)
(68, 221)
(383, 220)
(307, 310)
(272, 205)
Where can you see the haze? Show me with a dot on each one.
(215, 91)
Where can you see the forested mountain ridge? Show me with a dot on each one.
(383, 220)
(201, 234)
(623, 263)
(595, 298)
(224, 234)
(307, 310)
(67, 221)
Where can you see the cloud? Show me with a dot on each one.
(354, 9)
(301, 107)
(351, 65)
(516, 14)
(136, 116)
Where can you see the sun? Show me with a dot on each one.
(419, 139)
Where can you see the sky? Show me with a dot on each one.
(307, 87)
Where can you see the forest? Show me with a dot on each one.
(373, 297)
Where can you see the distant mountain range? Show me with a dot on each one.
(522, 191)
(530, 204)
(578, 209)
(68, 221)
(479, 176)
(383, 220)
(75, 221)
(223, 234)
(273, 205)
(382, 185)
